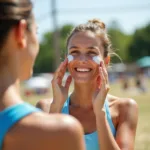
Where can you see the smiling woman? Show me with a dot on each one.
(109, 122)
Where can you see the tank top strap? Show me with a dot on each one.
(109, 119)
(65, 109)
(11, 115)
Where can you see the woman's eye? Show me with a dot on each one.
(92, 53)
(74, 52)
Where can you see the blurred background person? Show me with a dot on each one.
(140, 81)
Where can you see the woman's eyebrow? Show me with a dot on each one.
(73, 47)
(93, 48)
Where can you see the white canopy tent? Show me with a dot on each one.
(37, 83)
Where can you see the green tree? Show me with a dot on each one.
(46, 58)
(140, 44)
(120, 42)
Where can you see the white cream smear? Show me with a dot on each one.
(97, 59)
(70, 58)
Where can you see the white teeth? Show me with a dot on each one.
(70, 58)
(83, 70)
(97, 59)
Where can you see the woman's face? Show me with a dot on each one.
(31, 51)
(83, 46)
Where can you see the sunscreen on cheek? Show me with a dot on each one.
(97, 59)
(70, 58)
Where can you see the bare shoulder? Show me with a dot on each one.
(45, 131)
(126, 113)
(54, 122)
(122, 103)
(44, 104)
(127, 110)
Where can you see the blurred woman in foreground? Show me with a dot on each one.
(22, 126)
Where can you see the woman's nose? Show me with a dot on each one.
(83, 57)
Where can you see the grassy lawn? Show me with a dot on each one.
(142, 141)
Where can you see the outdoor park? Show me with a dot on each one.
(129, 72)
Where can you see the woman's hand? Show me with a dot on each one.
(60, 92)
(103, 88)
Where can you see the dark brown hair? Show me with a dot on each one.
(98, 27)
(11, 12)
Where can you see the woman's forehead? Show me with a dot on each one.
(82, 39)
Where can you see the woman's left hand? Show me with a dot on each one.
(102, 90)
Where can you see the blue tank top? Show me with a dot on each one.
(11, 115)
(91, 140)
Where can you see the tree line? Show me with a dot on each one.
(129, 47)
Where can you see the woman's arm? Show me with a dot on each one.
(126, 129)
(128, 116)
(60, 91)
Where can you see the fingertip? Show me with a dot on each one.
(100, 63)
(69, 78)
(61, 64)
(66, 61)
(68, 81)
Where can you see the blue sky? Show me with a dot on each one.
(130, 14)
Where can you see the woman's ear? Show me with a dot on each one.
(21, 34)
(107, 60)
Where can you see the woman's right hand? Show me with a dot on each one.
(60, 92)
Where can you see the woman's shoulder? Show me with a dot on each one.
(123, 105)
(123, 111)
(43, 130)
(121, 101)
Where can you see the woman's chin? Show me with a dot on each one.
(82, 80)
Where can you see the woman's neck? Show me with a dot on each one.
(9, 89)
(82, 95)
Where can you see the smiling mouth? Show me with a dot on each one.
(83, 70)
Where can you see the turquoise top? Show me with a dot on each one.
(91, 140)
(11, 115)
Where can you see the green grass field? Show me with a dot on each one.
(142, 141)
